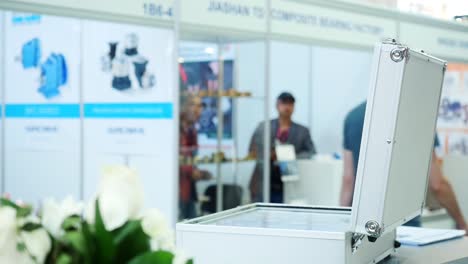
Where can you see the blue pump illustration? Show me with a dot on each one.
(54, 70)
(31, 54)
(54, 74)
(125, 63)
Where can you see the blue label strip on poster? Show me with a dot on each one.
(42, 111)
(144, 111)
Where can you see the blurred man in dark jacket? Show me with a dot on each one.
(282, 131)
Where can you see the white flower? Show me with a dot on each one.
(8, 238)
(155, 225)
(7, 234)
(120, 196)
(180, 257)
(53, 214)
(89, 211)
(165, 241)
(28, 219)
(37, 243)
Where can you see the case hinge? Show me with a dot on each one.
(391, 41)
(356, 240)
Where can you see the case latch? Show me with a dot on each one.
(399, 53)
(373, 228)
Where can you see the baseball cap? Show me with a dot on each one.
(286, 97)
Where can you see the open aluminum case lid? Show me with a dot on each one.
(397, 139)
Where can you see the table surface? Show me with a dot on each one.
(442, 252)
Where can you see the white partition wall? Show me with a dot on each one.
(249, 112)
(340, 81)
(291, 72)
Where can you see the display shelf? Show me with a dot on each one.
(223, 94)
(210, 161)
(229, 93)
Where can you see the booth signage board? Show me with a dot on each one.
(128, 82)
(326, 24)
(440, 41)
(390, 188)
(42, 105)
(2, 29)
(243, 15)
(155, 9)
(288, 18)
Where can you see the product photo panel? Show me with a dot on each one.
(41, 65)
(126, 63)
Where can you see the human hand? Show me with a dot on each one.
(206, 175)
(463, 226)
(273, 155)
(198, 175)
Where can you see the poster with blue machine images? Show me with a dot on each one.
(128, 90)
(2, 29)
(42, 110)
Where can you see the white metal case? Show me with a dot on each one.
(397, 140)
(268, 233)
(391, 182)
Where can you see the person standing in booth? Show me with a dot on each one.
(189, 174)
(283, 131)
(439, 186)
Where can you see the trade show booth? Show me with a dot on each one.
(87, 84)
(390, 188)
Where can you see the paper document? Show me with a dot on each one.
(416, 236)
(285, 152)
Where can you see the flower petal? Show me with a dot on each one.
(38, 244)
(154, 223)
(120, 196)
(7, 228)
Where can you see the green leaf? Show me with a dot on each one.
(64, 259)
(71, 223)
(104, 240)
(52, 255)
(24, 211)
(21, 247)
(127, 230)
(21, 211)
(158, 257)
(189, 261)
(6, 202)
(28, 227)
(77, 241)
(131, 241)
(90, 243)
